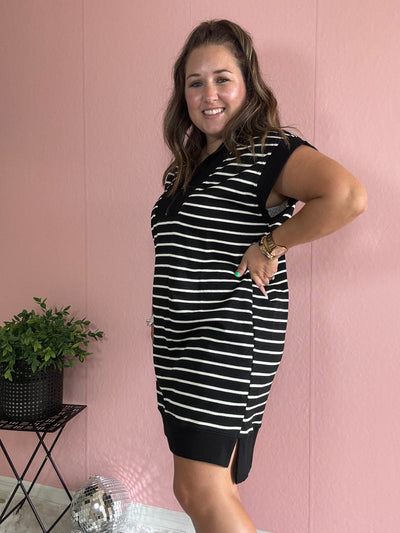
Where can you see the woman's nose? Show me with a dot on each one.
(210, 93)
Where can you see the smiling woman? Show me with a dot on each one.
(220, 293)
(215, 91)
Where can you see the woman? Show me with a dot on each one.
(221, 230)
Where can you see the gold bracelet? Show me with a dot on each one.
(264, 250)
(268, 247)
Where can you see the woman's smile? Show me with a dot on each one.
(213, 112)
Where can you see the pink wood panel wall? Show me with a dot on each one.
(81, 161)
(42, 180)
(354, 399)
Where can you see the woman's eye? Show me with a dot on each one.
(222, 80)
(195, 84)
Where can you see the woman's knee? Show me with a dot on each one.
(199, 486)
(187, 490)
(197, 501)
(183, 494)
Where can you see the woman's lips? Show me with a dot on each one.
(212, 112)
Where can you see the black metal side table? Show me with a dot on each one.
(54, 424)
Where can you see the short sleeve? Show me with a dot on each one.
(274, 165)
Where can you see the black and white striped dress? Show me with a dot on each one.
(218, 340)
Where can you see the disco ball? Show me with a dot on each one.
(100, 506)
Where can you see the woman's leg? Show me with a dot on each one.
(208, 494)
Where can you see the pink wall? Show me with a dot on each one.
(84, 84)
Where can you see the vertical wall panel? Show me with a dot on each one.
(42, 214)
(285, 43)
(129, 48)
(355, 402)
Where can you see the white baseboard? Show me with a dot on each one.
(141, 515)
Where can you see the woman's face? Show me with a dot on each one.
(214, 90)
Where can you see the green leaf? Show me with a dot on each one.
(36, 346)
(7, 349)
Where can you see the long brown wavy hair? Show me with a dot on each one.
(258, 116)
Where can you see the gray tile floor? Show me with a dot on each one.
(25, 522)
(142, 518)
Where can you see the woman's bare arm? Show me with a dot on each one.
(333, 197)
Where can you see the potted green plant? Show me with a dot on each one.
(34, 350)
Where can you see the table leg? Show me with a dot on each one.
(21, 485)
(50, 458)
(48, 451)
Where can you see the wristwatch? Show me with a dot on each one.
(269, 248)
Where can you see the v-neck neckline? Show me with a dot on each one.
(207, 165)
(169, 206)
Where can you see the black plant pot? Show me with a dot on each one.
(31, 397)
